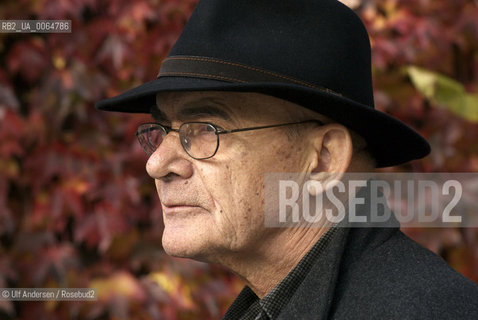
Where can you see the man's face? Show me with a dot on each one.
(214, 208)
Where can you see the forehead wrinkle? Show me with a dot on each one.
(238, 108)
(191, 106)
(203, 107)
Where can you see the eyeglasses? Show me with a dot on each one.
(200, 140)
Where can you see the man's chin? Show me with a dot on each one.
(184, 247)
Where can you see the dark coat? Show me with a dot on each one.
(379, 273)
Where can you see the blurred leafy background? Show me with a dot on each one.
(77, 208)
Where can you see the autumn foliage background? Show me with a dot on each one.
(77, 208)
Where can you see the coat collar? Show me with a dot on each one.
(315, 296)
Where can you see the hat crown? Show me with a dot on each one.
(321, 42)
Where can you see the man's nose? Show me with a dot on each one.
(169, 160)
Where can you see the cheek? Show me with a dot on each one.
(247, 189)
(231, 187)
(237, 193)
(238, 182)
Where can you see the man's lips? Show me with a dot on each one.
(179, 207)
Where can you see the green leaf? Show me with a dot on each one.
(445, 92)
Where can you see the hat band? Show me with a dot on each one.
(210, 68)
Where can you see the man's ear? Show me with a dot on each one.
(333, 153)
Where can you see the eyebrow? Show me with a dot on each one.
(194, 109)
(158, 115)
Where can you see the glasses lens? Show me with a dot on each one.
(150, 136)
(199, 139)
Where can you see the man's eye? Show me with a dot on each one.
(210, 129)
(206, 129)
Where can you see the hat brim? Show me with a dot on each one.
(389, 140)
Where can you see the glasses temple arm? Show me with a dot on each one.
(270, 126)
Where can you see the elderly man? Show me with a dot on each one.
(256, 87)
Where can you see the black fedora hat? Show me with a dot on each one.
(315, 53)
